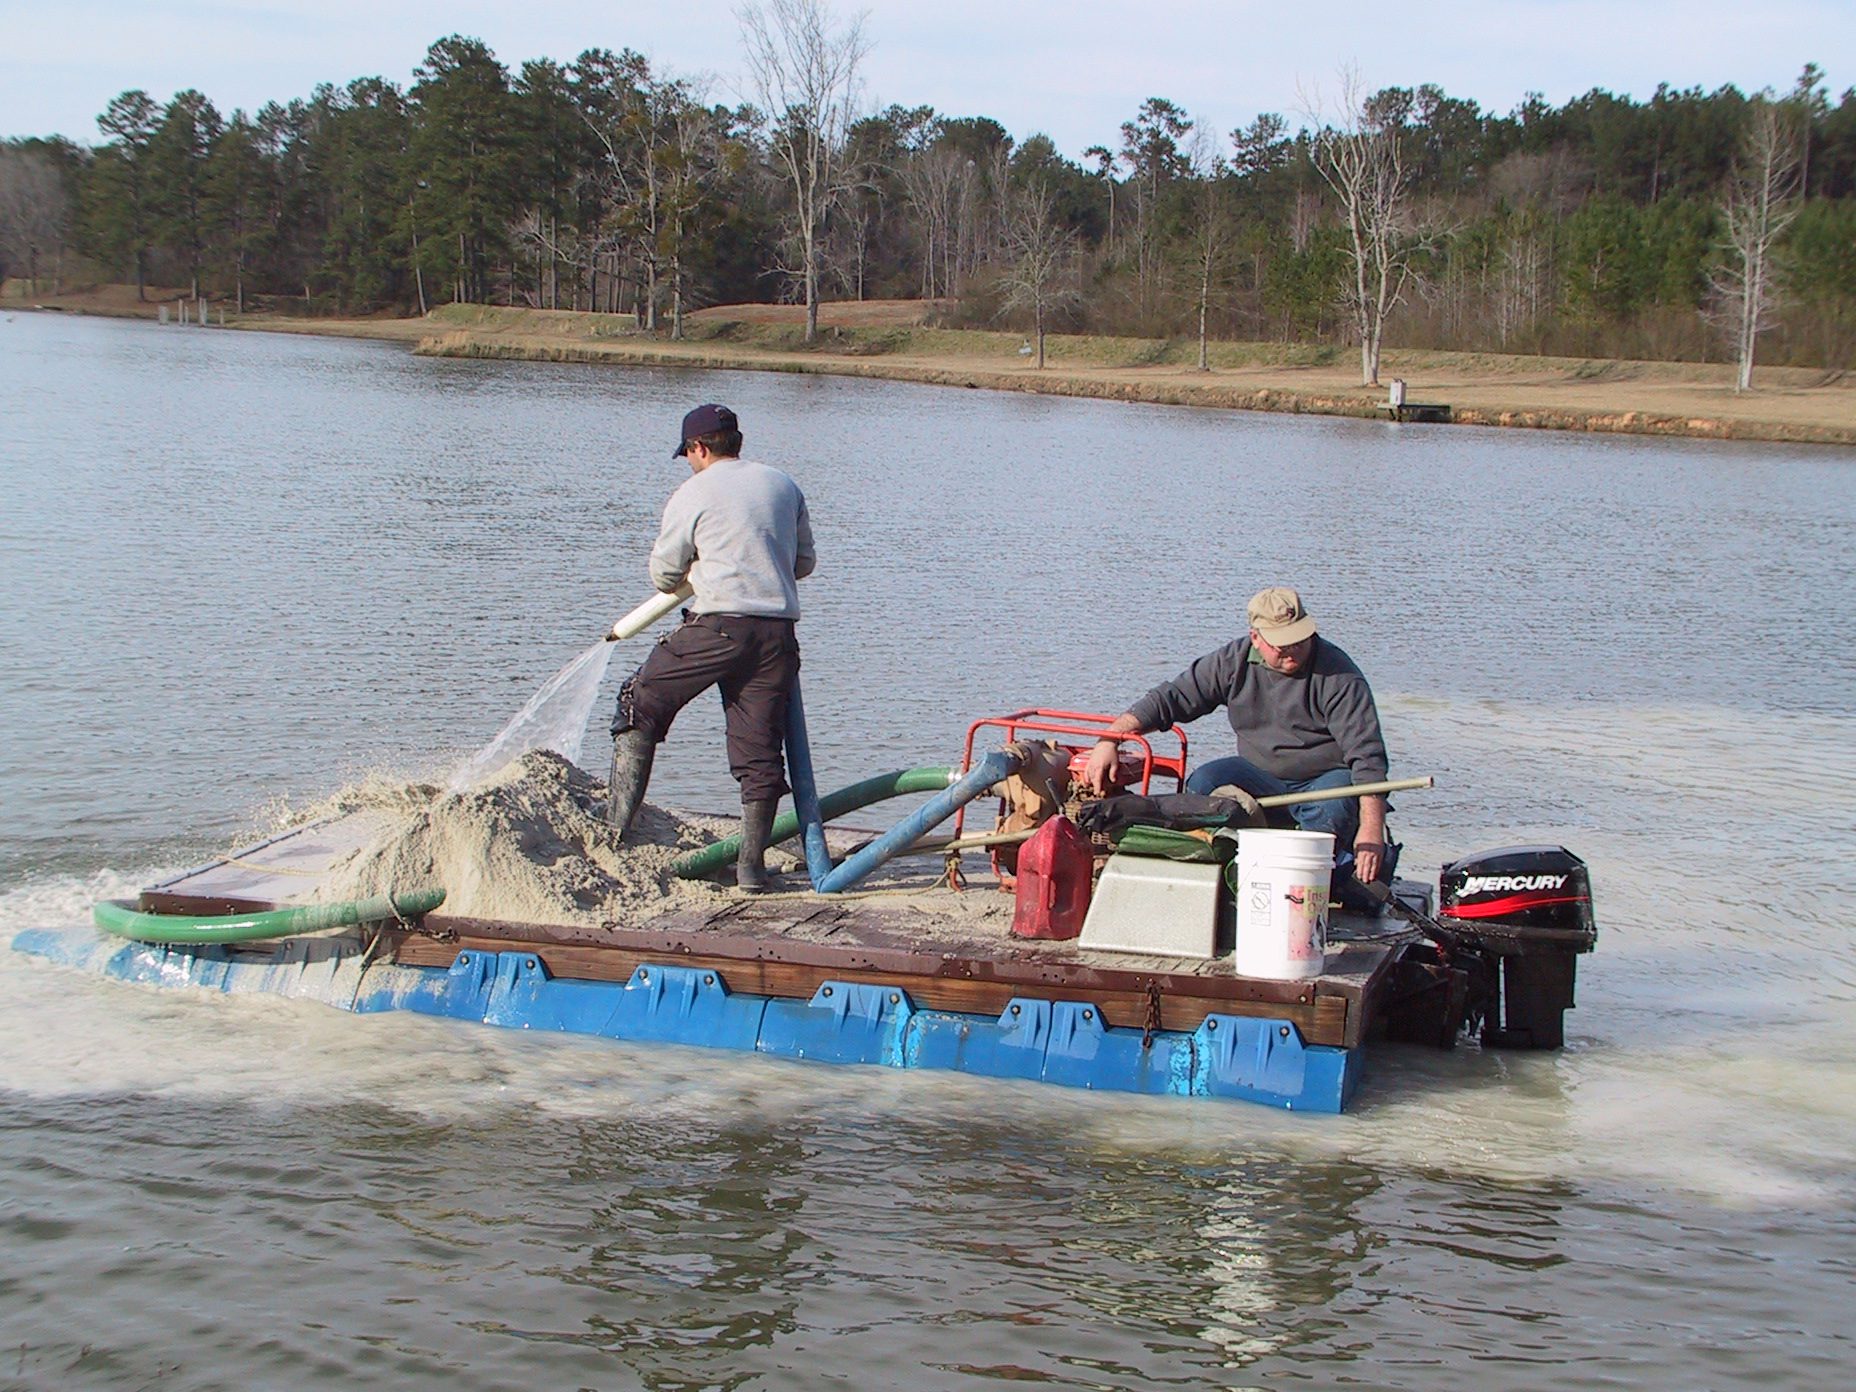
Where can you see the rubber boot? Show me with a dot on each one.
(751, 860)
(632, 753)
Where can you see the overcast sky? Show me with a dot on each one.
(1074, 69)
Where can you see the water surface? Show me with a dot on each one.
(244, 570)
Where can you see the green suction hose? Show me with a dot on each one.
(701, 864)
(117, 917)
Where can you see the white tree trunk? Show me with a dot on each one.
(1361, 158)
(805, 71)
(1759, 204)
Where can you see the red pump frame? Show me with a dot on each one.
(1086, 723)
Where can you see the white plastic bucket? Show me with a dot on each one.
(1281, 894)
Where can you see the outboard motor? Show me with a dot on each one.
(1528, 910)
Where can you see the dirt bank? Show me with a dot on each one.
(895, 340)
(1643, 398)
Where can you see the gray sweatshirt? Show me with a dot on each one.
(739, 533)
(1293, 727)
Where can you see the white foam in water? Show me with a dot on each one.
(65, 901)
(1697, 1026)
(71, 1032)
(555, 718)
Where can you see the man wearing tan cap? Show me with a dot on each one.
(1304, 719)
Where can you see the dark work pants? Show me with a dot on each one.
(753, 660)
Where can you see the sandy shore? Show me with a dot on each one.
(892, 340)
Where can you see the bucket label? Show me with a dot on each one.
(1259, 907)
(1308, 921)
(1290, 918)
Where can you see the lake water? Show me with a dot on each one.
(241, 571)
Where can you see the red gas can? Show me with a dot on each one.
(1055, 868)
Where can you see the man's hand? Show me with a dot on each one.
(1103, 758)
(1101, 764)
(1369, 843)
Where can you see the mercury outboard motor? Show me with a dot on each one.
(1528, 909)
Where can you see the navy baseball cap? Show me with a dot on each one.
(705, 420)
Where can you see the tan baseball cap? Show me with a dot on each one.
(1279, 618)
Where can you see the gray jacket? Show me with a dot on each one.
(1293, 727)
(740, 534)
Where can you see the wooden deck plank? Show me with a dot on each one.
(1325, 1019)
(268, 873)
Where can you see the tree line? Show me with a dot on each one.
(1686, 226)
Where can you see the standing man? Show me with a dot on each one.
(739, 533)
(1304, 719)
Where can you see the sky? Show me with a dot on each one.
(1074, 71)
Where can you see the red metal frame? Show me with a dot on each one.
(1044, 721)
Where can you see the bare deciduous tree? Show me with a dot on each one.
(633, 133)
(930, 182)
(694, 158)
(1038, 274)
(805, 74)
(1361, 157)
(536, 232)
(1304, 213)
(1522, 280)
(1209, 231)
(1759, 204)
(33, 212)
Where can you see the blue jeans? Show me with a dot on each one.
(1340, 817)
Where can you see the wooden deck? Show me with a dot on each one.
(266, 874)
(789, 945)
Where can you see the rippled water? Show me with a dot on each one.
(242, 570)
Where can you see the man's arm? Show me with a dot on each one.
(675, 550)
(1353, 718)
(1353, 721)
(1200, 689)
(805, 556)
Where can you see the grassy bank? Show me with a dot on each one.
(892, 341)
(896, 340)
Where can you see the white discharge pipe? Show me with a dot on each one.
(648, 613)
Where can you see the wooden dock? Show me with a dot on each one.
(1424, 412)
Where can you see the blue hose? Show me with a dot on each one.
(805, 790)
(996, 766)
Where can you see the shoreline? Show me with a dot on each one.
(890, 341)
(1157, 387)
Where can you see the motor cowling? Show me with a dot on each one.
(1528, 911)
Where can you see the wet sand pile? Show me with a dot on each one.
(528, 844)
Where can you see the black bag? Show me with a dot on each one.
(1111, 816)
